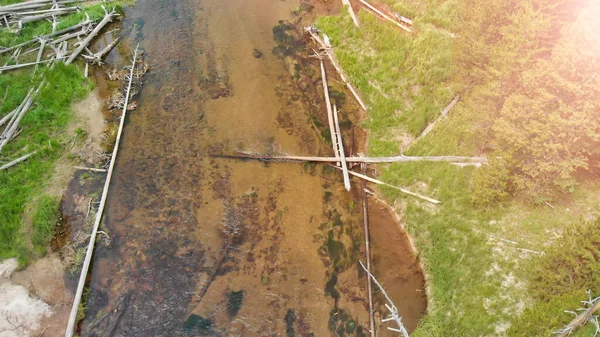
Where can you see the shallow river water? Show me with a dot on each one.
(205, 246)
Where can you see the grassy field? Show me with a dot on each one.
(492, 271)
(22, 186)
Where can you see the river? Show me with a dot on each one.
(203, 246)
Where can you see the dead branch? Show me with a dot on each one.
(329, 111)
(582, 318)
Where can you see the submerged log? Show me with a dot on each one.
(329, 111)
(88, 256)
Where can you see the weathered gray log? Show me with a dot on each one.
(88, 256)
(28, 19)
(107, 18)
(7, 117)
(443, 115)
(23, 65)
(385, 16)
(341, 149)
(29, 5)
(45, 11)
(59, 32)
(8, 134)
(401, 189)
(351, 11)
(40, 53)
(581, 319)
(17, 111)
(16, 161)
(371, 160)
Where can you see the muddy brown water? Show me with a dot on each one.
(213, 247)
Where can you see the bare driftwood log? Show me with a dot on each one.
(90, 169)
(40, 52)
(33, 4)
(401, 189)
(7, 117)
(351, 11)
(60, 32)
(371, 160)
(107, 18)
(16, 161)
(88, 256)
(329, 112)
(312, 31)
(23, 65)
(341, 149)
(385, 16)
(394, 316)
(443, 115)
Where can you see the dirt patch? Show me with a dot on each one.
(20, 312)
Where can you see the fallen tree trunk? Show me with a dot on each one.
(16, 161)
(371, 160)
(23, 65)
(401, 189)
(330, 54)
(88, 256)
(581, 319)
(59, 32)
(443, 115)
(107, 18)
(90, 169)
(10, 131)
(351, 11)
(97, 58)
(7, 117)
(385, 16)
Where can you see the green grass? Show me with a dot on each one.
(480, 286)
(42, 131)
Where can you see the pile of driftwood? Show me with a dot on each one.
(65, 44)
(14, 16)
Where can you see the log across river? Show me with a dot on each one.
(210, 247)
